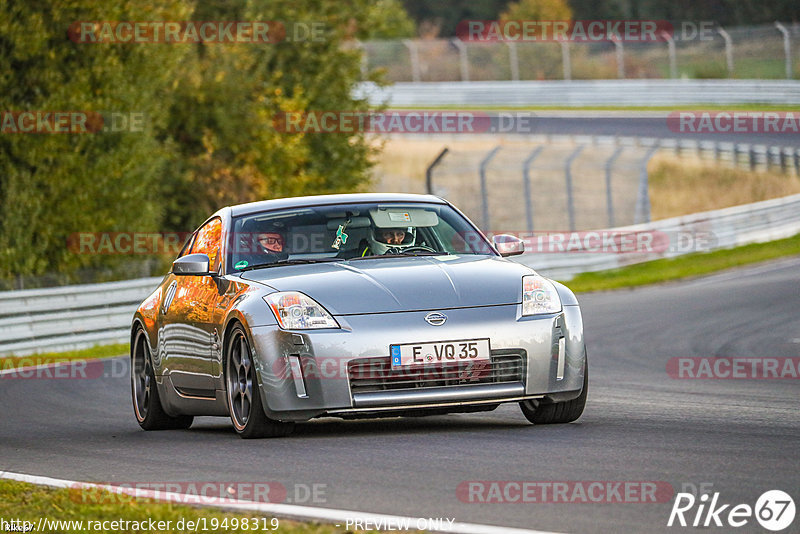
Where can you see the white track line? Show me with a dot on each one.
(288, 511)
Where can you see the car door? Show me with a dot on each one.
(189, 336)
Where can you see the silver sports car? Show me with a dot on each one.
(352, 306)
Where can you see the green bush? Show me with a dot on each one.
(208, 137)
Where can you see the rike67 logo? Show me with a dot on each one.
(774, 510)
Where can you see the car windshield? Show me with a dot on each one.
(350, 232)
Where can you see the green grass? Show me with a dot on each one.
(98, 351)
(29, 502)
(682, 267)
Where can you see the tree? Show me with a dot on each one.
(209, 136)
(538, 10)
(230, 97)
(723, 12)
(447, 14)
(53, 185)
(387, 19)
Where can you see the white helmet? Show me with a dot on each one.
(381, 240)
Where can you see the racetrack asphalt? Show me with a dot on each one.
(740, 436)
(645, 124)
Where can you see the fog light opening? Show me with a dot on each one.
(297, 376)
(561, 359)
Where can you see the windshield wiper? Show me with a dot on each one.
(402, 255)
(287, 262)
(421, 253)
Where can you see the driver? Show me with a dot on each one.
(384, 240)
(271, 242)
(261, 245)
(271, 245)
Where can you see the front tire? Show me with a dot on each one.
(244, 394)
(557, 412)
(146, 402)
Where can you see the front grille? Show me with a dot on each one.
(376, 374)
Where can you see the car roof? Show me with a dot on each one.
(326, 200)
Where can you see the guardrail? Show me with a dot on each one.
(73, 317)
(69, 317)
(583, 93)
(711, 230)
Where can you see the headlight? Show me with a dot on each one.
(539, 296)
(296, 311)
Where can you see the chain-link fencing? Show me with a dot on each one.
(575, 183)
(754, 52)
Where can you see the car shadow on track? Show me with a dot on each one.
(331, 427)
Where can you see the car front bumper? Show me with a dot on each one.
(305, 374)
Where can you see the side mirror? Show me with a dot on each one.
(191, 265)
(508, 245)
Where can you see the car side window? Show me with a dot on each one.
(186, 246)
(207, 241)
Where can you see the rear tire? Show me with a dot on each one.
(557, 412)
(146, 402)
(244, 394)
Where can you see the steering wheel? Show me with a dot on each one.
(417, 248)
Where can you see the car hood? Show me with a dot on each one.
(401, 284)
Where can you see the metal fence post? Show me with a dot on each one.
(797, 161)
(787, 48)
(526, 182)
(728, 50)
(414, 56)
(429, 170)
(462, 57)
(484, 189)
(783, 160)
(364, 61)
(609, 192)
(565, 60)
(568, 181)
(620, 58)
(642, 213)
(673, 59)
(513, 60)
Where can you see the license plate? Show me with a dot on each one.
(468, 350)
